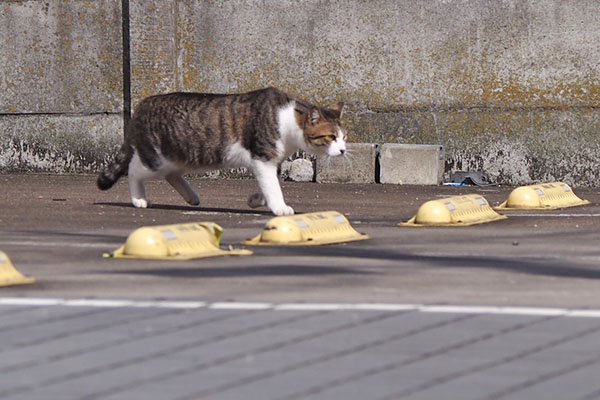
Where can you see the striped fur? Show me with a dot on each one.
(174, 133)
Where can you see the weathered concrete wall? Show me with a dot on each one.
(154, 43)
(508, 86)
(61, 84)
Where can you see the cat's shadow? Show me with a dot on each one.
(188, 208)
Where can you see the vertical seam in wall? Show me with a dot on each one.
(377, 163)
(126, 64)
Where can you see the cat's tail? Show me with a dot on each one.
(116, 169)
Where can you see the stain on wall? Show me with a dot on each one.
(60, 57)
(56, 143)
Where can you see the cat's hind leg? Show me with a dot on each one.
(138, 194)
(136, 176)
(183, 188)
(256, 200)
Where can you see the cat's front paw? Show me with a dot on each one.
(140, 203)
(282, 210)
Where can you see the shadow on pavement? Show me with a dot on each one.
(188, 208)
(253, 270)
(531, 266)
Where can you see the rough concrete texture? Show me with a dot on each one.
(301, 170)
(411, 164)
(513, 146)
(392, 55)
(154, 55)
(466, 74)
(512, 87)
(356, 166)
(61, 84)
(58, 143)
(61, 57)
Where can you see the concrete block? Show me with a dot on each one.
(61, 57)
(301, 170)
(356, 166)
(411, 164)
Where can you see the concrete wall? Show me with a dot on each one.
(61, 92)
(508, 86)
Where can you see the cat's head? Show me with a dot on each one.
(323, 131)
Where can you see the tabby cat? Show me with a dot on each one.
(175, 133)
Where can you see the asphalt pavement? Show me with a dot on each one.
(508, 309)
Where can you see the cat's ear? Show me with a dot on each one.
(314, 116)
(339, 109)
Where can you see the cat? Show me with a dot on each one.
(171, 134)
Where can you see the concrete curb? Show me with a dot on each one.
(392, 163)
(411, 164)
(358, 165)
(389, 163)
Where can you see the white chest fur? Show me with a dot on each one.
(292, 136)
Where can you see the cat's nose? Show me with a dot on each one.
(342, 151)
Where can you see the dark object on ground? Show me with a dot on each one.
(476, 178)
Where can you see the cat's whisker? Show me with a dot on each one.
(349, 160)
(346, 156)
(349, 155)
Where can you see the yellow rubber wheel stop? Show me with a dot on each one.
(463, 210)
(317, 228)
(544, 196)
(9, 275)
(175, 242)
